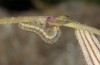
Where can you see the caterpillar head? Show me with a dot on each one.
(58, 21)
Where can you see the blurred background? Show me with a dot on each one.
(18, 47)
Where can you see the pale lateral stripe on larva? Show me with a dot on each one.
(89, 48)
(42, 32)
(84, 50)
(34, 30)
(37, 28)
(94, 47)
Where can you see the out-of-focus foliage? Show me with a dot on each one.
(22, 5)
(53, 1)
(16, 5)
(94, 1)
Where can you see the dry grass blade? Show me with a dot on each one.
(89, 47)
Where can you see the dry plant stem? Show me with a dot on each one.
(90, 47)
(9, 20)
(70, 23)
(76, 25)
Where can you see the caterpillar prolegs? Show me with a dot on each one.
(40, 26)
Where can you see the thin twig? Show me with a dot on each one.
(8, 20)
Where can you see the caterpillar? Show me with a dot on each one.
(40, 26)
